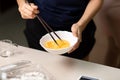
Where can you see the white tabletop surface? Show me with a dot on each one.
(63, 68)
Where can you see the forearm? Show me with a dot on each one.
(91, 9)
(19, 2)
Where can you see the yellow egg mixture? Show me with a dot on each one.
(61, 44)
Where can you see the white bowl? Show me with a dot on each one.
(65, 35)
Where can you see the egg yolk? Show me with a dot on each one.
(61, 44)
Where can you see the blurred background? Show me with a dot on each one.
(11, 23)
(106, 50)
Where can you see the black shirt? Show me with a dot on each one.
(59, 13)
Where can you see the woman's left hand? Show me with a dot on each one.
(76, 31)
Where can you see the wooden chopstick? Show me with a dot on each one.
(49, 27)
(46, 26)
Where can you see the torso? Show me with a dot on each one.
(61, 12)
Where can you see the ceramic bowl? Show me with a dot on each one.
(65, 35)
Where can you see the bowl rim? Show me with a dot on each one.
(52, 50)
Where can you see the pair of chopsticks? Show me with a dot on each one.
(47, 27)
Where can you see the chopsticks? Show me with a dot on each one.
(47, 27)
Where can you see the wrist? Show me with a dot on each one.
(21, 2)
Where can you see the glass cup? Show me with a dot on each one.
(7, 48)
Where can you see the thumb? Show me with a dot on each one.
(74, 30)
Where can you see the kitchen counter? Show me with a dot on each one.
(61, 67)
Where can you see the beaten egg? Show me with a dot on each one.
(61, 44)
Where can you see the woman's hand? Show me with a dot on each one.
(28, 11)
(77, 31)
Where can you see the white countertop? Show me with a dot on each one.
(63, 68)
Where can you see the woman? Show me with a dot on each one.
(69, 15)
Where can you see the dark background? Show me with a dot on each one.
(6, 4)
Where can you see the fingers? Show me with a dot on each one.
(35, 8)
(79, 35)
(74, 47)
(76, 32)
(28, 11)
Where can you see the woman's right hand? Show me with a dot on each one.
(28, 11)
